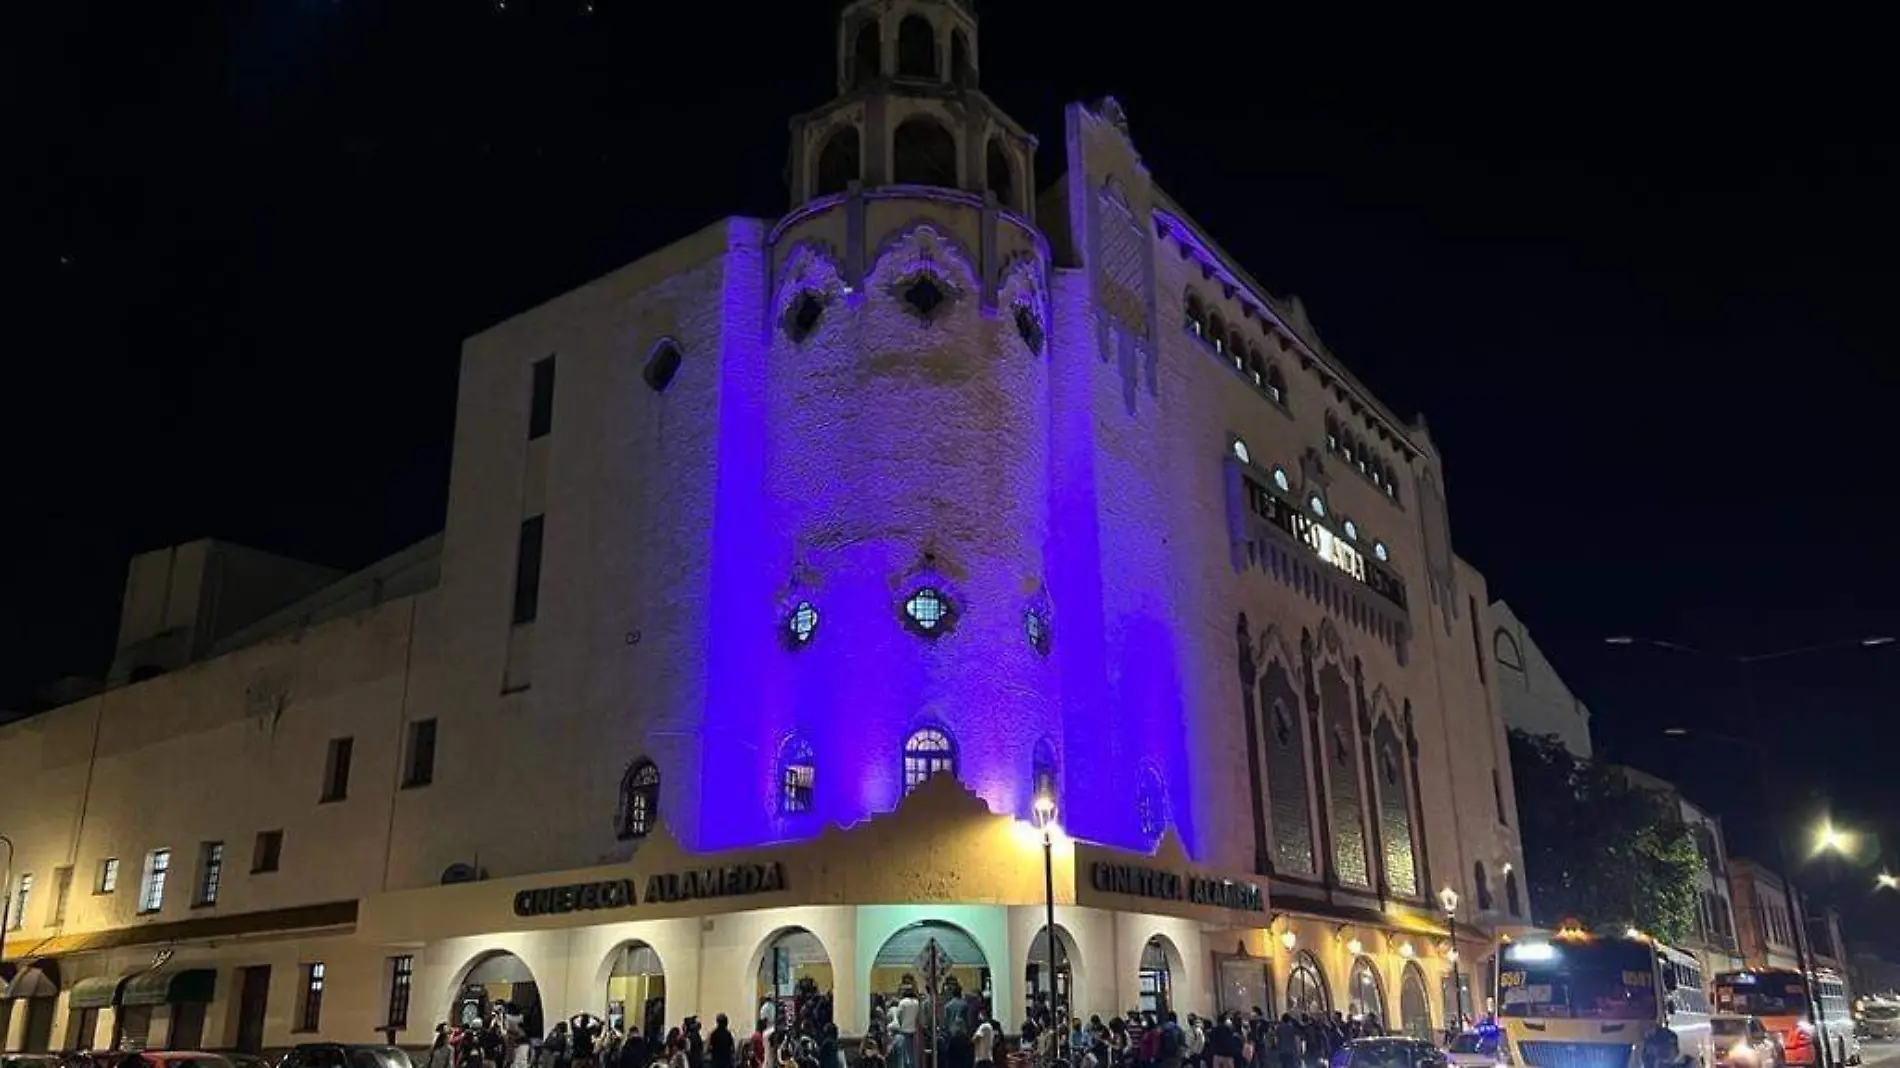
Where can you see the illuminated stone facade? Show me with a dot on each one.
(750, 536)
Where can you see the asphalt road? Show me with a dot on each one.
(1885, 1054)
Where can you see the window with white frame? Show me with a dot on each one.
(158, 866)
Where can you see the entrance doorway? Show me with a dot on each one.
(636, 990)
(929, 965)
(1156, 978)
(82, 1028)
(499, 988)
(39, 1025)
(1414, 1009)
(1037, 973)
(188, 1026)
(795, 983)
(253, 1000)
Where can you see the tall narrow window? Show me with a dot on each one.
(158, 866)
(336, 770)
(402, 972)
(528, 571)
(108, 876)
(639, 799)
(1497, 796)
(210, 872)
(1477, 639)
(62, 893)
(311, 1011)
(541, 407)
(798, 776)
(268, 852)
(21, 898)
(419, 762)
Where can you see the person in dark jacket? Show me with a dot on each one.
(633, 1049)
(720, 1044)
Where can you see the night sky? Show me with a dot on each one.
(1635, 273)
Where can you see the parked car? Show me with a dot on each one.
(1878, 1019)
(345, 1055)
(28, 1060)
(1479, 1049)
(1388, 1052)
(246, 1060)
(1742, 1042)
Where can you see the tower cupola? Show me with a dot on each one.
(908, 111)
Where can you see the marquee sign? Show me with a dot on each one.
(732, 880)
(1134, 880)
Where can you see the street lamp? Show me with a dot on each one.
(6, 897)
(1757, 746)
(1831, 839)
(1046, 819)
(1448, 900)
(1887, 881)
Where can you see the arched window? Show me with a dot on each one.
(999, 173)
(1352, 530)
(866, 66)
(1332, 433)
(1241, 452)
(1414, 1007)
(1196, 316)
(916, 48)
(1237, 351)
(961, 70)
(1504, 648)
(1276, 383)
(928, 611)
(928, 752)
(1317, 505)
(798, 777)
(1256, 368)
(840, 162)
(663, 365)
(639, 799)
(1151, 804)
(1348, 446)
(1043, 771)
(1365, 995)
(1511, 899)
(1305, 988)
(1482, 884)
(1217, 332)
(1280, 480)
(924, 152)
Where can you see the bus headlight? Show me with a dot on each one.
(1741, 1051)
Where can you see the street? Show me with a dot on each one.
(1880, 1054)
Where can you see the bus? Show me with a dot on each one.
(1779, 998)
(1577, 1000)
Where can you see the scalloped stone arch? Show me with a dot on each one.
(1272, 645)
(1330, 645)
(920, 241)
(810, 265)
(1382, 707)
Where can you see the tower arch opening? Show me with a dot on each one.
(962, 70)
(924, 152)
(916, 48)
(999, 173)
(840, 162)
(866, 54)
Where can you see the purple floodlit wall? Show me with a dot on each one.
(883, 452)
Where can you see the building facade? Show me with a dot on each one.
(784, 571)
(1532, 696)
(1765, 929)
(1714, 941)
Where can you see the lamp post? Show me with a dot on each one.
(1046, 819)
(6, 897)
(1756, 745)
(1448, 900)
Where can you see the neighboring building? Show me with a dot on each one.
(1875, 976)
(783, 570)
(1714, 942)
(1766, 929)
(1530, 692)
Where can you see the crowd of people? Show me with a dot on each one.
(965, 1035)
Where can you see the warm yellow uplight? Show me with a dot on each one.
(1289, 940)
(1405, 950)
(1355, 947)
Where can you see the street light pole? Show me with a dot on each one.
(1046, 817)
(6, 898)
(1757, 747)
(1448, 899)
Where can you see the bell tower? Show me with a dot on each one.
(909, 113)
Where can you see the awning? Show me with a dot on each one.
(169, 986)
(94, 993)
(39, 979)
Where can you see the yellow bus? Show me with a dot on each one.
(1577, 1000)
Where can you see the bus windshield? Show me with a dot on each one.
(1762, 994)
(1594, 980)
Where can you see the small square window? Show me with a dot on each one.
(268, 852)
